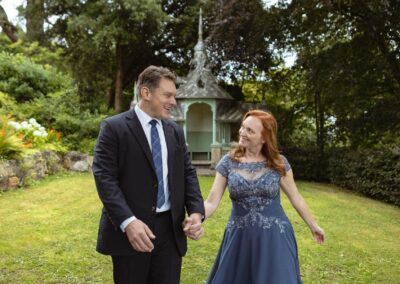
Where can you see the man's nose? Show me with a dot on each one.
(173, 101)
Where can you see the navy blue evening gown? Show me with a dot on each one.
(259, 246)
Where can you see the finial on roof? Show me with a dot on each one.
(200, 26)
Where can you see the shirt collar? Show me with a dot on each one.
(144, 118)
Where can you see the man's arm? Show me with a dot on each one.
(105, 171)
(193, 198)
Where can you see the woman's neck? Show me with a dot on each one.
(253, 155)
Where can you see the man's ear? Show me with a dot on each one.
(145, 93)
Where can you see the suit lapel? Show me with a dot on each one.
(137, 130)
(171, 144)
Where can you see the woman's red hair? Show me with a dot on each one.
(270, 147)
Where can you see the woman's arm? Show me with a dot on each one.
(216, 193)
(290, 189)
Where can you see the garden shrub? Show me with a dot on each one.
(36, 136)
(372, 172)
(8, 105)
(306, 163)
(25, 80)
(12, 145)
(61, 111)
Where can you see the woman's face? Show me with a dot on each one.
(250, 133)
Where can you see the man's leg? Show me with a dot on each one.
(131, 269)
(166, 261)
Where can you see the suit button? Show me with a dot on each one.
(155, 185)
(153, 209)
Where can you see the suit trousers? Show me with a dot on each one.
(161, 266)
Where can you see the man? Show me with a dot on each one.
(146, 182)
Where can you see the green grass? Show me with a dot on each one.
(48, 235)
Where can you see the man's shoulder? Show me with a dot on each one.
(172, 124)
(176, 128)
(118, 118)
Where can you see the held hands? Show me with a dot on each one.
(318, 234)
(192, 226)
(140, 236)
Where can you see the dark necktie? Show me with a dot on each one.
(158, 164)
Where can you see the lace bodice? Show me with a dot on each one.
(250, 184)
(252, 188)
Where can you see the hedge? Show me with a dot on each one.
(375, 173)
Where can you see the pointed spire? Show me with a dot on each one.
(135, 96)
(200, 26)
(200, 45)
(135, 93)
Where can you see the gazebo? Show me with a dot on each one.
(209, 116)
(207, 113)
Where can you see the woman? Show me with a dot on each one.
(259, 245)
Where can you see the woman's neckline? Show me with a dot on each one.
(253, 162)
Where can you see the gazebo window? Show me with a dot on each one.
(200, 83)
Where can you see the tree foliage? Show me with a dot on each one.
(349, 55)
(342, 90)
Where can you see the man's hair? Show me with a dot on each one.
(151, 76)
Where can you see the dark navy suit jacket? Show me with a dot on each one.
(127, 183)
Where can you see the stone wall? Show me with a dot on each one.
(16, 173)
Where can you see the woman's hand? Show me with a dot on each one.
(318, 234)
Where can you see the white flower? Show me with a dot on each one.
(25, 125)
(32, 121)
(41, 128)
(15, 125)
(37, 133)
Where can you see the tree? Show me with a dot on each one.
(108, 43)
(8, 28)
(35, 16)
(239, 40)
(350, 56)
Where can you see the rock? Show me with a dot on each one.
(80, 166)
(53, 160)
(13, 182)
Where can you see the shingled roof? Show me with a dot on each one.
(200, 83)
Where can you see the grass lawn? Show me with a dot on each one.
(48, 234)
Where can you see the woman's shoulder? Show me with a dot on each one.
(283, 157)
(226, 158)
(285, 162)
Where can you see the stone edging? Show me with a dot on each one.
(16, 173)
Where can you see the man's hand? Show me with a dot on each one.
(140, 236)
(192, 226)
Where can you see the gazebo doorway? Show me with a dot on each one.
(199, 119)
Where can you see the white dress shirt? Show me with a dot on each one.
(144, 120)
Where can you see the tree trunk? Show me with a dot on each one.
(119, 79)
(7, 27)
(35, 20)
(320, 123)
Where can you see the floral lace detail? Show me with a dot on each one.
(254, 218)
(256, 193)
(253, 188)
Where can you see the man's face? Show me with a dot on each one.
(162, 99)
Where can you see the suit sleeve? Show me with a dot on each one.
(193, 198)
(105, 171)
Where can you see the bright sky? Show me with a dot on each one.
(11, 9)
